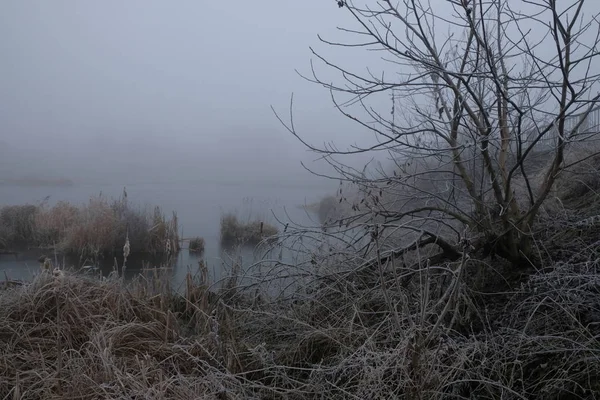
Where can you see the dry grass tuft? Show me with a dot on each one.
(251, 233)
(71, 337)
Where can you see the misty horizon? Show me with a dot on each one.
(142, 91)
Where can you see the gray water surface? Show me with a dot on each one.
(199, 207)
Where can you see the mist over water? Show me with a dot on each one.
(173, 103)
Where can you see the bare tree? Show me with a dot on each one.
(479, 87)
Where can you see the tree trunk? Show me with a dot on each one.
(514, 246)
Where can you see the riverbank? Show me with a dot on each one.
(331, 323)
(37, 182)
(349, 331)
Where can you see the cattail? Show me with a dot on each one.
(126, 248)
(126, 251)
(168, 247)
(47, 264)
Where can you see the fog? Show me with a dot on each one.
(148, 90)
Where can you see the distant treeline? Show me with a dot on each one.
(30, 181)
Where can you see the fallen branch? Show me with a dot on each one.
(449, 252)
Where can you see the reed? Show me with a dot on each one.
(99, 227)
(235, 232)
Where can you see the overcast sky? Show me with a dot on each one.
(193, 78)
(118, 86)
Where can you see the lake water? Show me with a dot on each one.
(199, 207)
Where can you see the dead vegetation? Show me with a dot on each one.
(384, 325)
(196, 245)
(69, 337)
(17, 224)
(236, 232)
(491, 296)
(469, 328)
(97, 228)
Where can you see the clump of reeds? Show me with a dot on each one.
(52, 224)
(164, 237)
(95, 230)
(99, 227)
(17, 225)
(250, 233)
(196, 245)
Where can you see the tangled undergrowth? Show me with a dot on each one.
(463, 329)
(348, 328)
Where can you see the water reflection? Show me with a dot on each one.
(24, 265)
